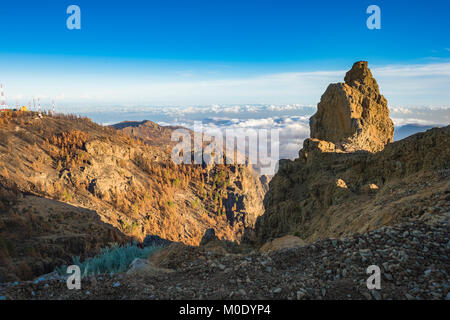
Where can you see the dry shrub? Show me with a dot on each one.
(5, 173)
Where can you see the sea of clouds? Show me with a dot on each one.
(291, 120)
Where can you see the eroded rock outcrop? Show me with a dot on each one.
(354, 115)
(349, 178)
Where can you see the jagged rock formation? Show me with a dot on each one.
(354, 115)
(209, 236)
(339, 186)
(245, 190)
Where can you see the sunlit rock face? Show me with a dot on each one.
(354, 115)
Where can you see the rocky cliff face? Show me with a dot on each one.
(119, 185)
(242, 201)
(349, 177)
(354, 115)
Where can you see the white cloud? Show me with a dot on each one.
(291, 132)
(411, 71)
(405, 121)
(400, 110)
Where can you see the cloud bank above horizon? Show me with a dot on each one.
(414, 85)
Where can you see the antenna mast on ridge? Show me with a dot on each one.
(3, 106)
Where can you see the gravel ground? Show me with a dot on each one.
(413, 258)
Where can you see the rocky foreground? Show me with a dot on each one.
(413, 258)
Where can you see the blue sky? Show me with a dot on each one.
(206, 52)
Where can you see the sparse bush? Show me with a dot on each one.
(170, 204)
(5, 173)
(114, 259)
(66, 195)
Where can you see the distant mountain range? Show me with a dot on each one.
(405, 131)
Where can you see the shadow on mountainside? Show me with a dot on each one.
(37, 234)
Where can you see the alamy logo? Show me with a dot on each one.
(374, 20)
(74, 280)
(374, 281)
(74, 20)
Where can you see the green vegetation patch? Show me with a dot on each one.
(114, 259)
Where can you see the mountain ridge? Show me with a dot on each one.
(126, 181)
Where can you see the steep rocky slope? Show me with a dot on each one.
(110, 178)
(245, 193)
(343, 185)
(37, 234)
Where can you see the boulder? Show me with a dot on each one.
(210, 235)
(138, 265)
(288, 241)
(146, 267)
(156, 241)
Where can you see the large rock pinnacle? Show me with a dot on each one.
(354, 115)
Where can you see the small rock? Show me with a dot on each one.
(153, 240)
(436, 294)
(301, 294)
(388, 276)
(409, 297)
(137, 265)
(367, 295)
(208, 236)
(376, 295)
